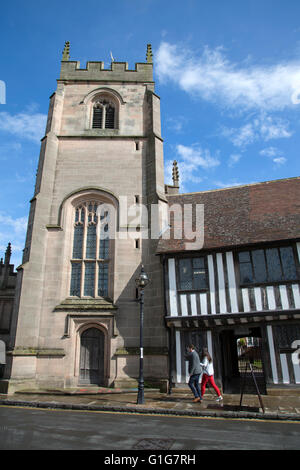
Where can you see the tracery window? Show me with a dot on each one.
(91, 252)
(104, 114)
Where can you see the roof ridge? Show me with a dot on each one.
(237, 186)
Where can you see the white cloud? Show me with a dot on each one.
(211, 76)
(191, 163)
(269, 152)
(29, 126)
(279, 160)
(274, 154)
(195, 156)
(18, 225)
(263, 127)
(176, 124)
(233, 159)
(222, 184)
(14, 231)
(241, 136)
(9, 149)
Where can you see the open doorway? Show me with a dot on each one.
(238, 351)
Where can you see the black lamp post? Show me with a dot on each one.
(141, 283)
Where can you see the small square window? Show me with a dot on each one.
(192, 274)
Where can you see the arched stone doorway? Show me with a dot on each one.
(91, 365)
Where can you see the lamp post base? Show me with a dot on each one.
(140, 397)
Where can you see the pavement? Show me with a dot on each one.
(277, 405)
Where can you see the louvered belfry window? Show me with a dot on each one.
(91, 252)
(97, 117)
(110, 117)
(104, 114)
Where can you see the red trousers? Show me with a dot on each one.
(210, 379)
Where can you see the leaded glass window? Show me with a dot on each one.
(267, 265)
(102, 281)
(104, 243)
(91, 242)
(75, 279)
(89, 279)
(78, 241)
(78, 232)
(91, 252)
(192, 274)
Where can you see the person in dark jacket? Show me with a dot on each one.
(195, 369)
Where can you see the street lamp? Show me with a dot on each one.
(141, 283)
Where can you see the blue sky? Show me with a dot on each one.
(227, 72)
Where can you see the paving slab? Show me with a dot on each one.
(180, 402)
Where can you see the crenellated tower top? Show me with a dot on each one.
(95, 71)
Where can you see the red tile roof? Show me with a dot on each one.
(241, 215)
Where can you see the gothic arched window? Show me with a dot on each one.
(104, 114)
(91, 251)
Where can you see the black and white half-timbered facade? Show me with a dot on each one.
(239, 294)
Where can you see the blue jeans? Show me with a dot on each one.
(194, 385)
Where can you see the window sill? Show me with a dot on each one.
(104, 132)
(87, 303)
(193, 291)
(270, 283)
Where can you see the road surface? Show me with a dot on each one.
(26, 428)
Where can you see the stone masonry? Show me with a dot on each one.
(123, 165)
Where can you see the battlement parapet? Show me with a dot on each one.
(70, 70)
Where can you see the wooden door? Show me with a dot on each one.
(92, 357)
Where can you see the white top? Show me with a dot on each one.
(208, 367)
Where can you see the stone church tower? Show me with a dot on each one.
(76, 313)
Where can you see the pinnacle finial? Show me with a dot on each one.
(66, 51)
(149, 55)
(175, 174)
(8, 254)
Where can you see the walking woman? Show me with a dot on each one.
(208, 374)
